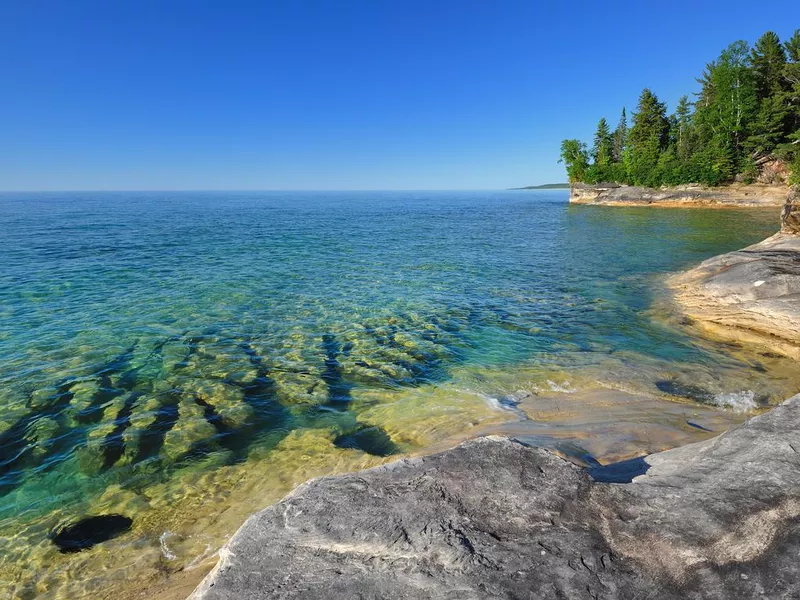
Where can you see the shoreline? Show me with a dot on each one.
(773, 263)
(684, 196)
(496, 517)
(750, 295)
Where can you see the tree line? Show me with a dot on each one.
(747, 109)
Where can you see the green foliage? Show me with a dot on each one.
(575, 159)
(767, 59)
(620, 138)
(603, 148)
(749, 170)
(648, 137)
(748, 107)
(683, 129)
(794, 178)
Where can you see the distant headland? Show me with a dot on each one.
(546, 186)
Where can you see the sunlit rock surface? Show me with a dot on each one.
(750, 195)
(495, 518)
(790, 216)
(751, 294)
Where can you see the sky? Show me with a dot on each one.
(336, 94)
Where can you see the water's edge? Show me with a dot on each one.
(185, 361)
(520, 434)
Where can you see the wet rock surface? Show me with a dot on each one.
(494, 518)
(747, 195)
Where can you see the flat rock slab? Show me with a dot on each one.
(494, 518)
(757, 289)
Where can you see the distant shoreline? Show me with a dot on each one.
(726, 196)
(546, 186)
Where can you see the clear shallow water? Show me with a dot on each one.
(167, 356)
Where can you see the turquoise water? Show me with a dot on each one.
(146, 336)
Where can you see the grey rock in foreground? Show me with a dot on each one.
(494, 518)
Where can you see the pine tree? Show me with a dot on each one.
(603, 148)
(620, 138)
(771, 122)
(767, 59)
(726, 108)
(790, 148)
(683, 128)
(792, 46)
(647, 138)
(748, 106)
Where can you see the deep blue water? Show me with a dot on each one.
(140, 332)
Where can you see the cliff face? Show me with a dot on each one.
(745, 195)
(790, 217)
(752, 294)
(494, 518)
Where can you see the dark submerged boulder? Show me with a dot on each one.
(88, 532)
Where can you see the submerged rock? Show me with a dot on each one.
(673, 387)
(494, 518)
(90, 531)
(372, 440)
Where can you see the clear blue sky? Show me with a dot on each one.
(336, 94)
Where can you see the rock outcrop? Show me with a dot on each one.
(751, 294)
(790, 217)
(744, 195)
(494, 518)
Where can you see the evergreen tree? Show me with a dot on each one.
(768, 63)
(620, 138)
(748, 106)
(683, 128)
(768, 58)
(727, 105)
(603, 148)
(792, 46)
(791, 98)
(647, 138)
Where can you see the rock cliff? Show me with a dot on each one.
(751, 294)
(752, 195)
(790, 217)
(494, 518)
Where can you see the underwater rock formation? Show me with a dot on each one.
(89, 532)
(193, 394)
(496, 518)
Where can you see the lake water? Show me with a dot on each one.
(184, 358)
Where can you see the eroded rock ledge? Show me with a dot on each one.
(494, 518)
(751, 294)
(744, 195)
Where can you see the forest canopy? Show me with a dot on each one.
(747, 111)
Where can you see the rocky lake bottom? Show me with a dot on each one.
(178, 361)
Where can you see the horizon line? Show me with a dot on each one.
(155, 190)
